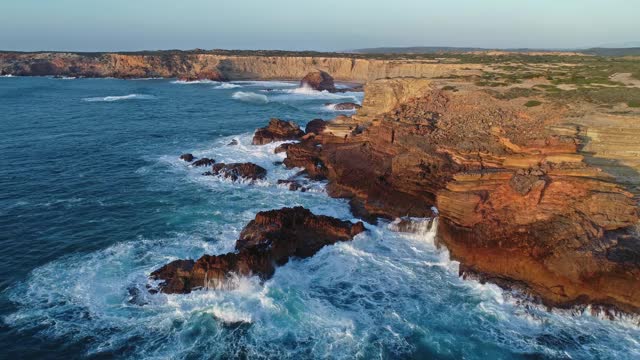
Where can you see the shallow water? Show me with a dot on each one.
(93, 198)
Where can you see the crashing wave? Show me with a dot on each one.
(120, 98)
(227, 86)
(250, 97)
(194, 82)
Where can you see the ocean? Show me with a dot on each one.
(93, 197)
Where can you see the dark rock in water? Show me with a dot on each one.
(278, 163)
(268, 241)
(233, 142)
(345, 106)
(236, 171)
(316, 126)
(319, 80)
(203, 162)
(293, 185)
(277, 130)
(187, 157)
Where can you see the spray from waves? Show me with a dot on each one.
(268, 84)
(307, 93)
(120, 98)
(250, 97)
(195, 82)
(227, 86)
(6, 76)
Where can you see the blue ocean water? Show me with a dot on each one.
(93, 198)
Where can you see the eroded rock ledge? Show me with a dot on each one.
(268, 241)
(518, 203)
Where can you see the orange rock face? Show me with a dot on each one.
(517, 204)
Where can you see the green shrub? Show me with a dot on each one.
(532, 103)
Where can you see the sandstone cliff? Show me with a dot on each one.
(182, 64)
(521, 200)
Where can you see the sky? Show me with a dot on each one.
(323, 25)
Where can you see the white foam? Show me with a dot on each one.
(250, 97)
(120, 98)
(195, 82)
(267, 84)
(306, 93)
(227, 86)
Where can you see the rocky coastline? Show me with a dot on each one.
(523, 195)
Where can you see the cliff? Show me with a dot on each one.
(522, 201)
(232, 67)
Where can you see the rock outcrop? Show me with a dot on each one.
(518, 202)
(345, 106)
(268, 241)
(187, 157)
(277, 130)
(319, 80)
(238, 171)
(203, 162)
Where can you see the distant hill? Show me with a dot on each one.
(602, 51)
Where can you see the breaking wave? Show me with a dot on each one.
(194, 82)
(227, 86)
(120, 98)
(250, 97)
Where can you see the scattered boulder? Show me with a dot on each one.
(277, 130)
(203, 162)
(316, 126)
(269, 240)
(319, 80)
(187, 157)
(237, 171)
(293, 185)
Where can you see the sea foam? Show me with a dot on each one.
(250, 97)
(120, 98)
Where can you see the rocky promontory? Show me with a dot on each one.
(268, 241)
(519, 203)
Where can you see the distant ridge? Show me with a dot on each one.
(602, 51)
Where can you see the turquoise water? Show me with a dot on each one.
(93, 198)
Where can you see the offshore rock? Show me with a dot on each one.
(203, 162)
(238, 171)
(345, 106)
(187, 157)
(277, 130)
(268, 241)
(319, 80)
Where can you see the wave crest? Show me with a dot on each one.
(250, 97)
(120, 98)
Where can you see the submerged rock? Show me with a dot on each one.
(187, 157)
(233, 142)
(268, 241)
(203, 162)
(277, 130)
(319, 80)
(345, 106)
(293, 185)
(237, 171)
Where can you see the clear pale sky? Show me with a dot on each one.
(107, 25)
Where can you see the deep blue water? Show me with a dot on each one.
(93, 198)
